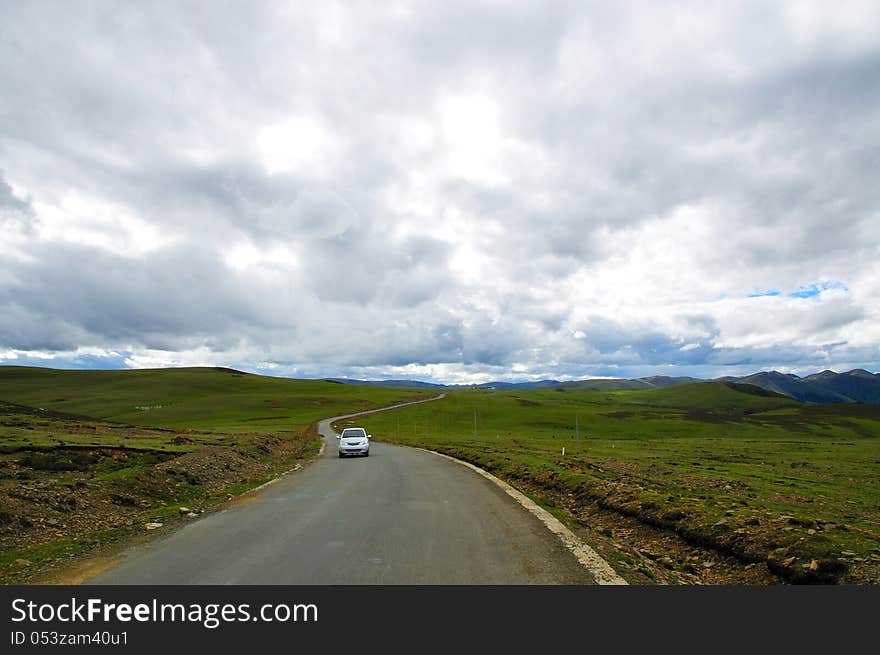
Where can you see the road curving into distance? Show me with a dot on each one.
(401, 516)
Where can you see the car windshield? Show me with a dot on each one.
(358, 432)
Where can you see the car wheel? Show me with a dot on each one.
(367, 454)
(341, 455)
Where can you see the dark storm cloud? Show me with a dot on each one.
(444, 189)
(178, 293)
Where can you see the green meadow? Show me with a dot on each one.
(205, 399)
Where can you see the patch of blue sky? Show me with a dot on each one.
(806, 291)
(816, 289)
(68, 361)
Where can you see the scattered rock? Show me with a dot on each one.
(668, 562)
(788, 561)
(192, 515)
(153, 525)
(185, 510)
(22, 562)
(648, 553)
(814, 565)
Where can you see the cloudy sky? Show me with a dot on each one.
(448, 191)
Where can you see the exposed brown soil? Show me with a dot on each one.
(645, 554)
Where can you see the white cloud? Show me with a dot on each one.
(301, 145)
(79, 218)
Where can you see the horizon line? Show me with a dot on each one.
(343, 379)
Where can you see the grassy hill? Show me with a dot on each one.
(194, 398)
(751, 473)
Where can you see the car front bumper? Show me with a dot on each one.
(354, 450)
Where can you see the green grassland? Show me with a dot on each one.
(731, 466)
(208, 399)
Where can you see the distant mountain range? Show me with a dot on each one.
(856, 386)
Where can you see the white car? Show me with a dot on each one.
(354, 441)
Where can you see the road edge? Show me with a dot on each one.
(588, 558)
(299, 466)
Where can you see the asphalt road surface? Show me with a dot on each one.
(400, 516)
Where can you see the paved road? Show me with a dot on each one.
(400, 516)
